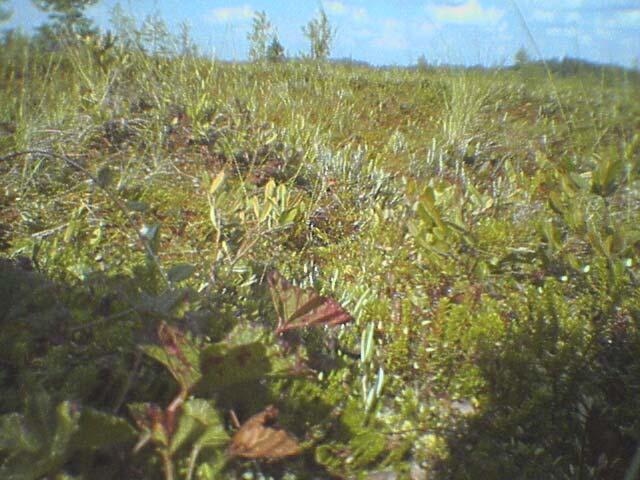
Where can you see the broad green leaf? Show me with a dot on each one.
(180, 272)
(180, 353)
(213, 436)
(67, 423)
(11, 432)
(99, 430)
(199, 420)
(202, 411)
(163, 304)
(225, 365)
(187, 427)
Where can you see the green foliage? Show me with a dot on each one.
(5, 14)
(67, 18)
(320, 35)
(480, 229)
(275, 51)
(258, 37)
(522, 57)
(40, 441)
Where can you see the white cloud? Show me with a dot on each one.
(337, 8)
(629, 19)
(362, 33)
(556, 4)
(557, 17)
(563, 31)
(469, 12)
(427, 28)
(230, 14)
(359, 14)
(569, 32)
(392, 35)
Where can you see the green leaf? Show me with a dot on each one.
(213, 436)
(329, 456)
(67, 423)
(48, 444)
(366, 344)
(149, 232)
(202, 411)
(607, 177)
(104, 177)
(163, 304)
(100, 430)
(367, 447)
(216, 183)
(227, 365)
(137, 206)
(149, 419)
(201, 422)
(187, 427)
(180, 272)
(180, 353)
(12, 433)
(555, 202)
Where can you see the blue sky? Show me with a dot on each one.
(397, 32)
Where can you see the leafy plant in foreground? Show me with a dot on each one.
(40, 441)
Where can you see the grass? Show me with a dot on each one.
(481, 227)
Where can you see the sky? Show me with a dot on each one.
(388, 32)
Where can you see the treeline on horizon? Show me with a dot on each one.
(68, 22)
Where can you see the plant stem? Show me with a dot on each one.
(167, 464)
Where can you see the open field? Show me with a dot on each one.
(481, 227)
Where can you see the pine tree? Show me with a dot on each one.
(67, 18)
(522, 57)
(275, 51)
(5, 13)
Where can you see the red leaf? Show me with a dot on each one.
(298, 308)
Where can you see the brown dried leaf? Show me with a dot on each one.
(260, 438)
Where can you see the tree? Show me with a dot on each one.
(275, 51)
(259, 36)
(5, 13)
(320, 35)
(421, 63)
(67, 17)
(522, 57)
(186, 45)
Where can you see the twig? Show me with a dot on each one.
(50, 231)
